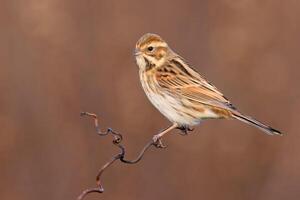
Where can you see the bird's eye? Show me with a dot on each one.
(150, 48)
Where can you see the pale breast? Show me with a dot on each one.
(170, 106)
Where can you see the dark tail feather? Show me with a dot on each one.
(265, 128)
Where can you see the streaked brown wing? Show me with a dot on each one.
(179, 79)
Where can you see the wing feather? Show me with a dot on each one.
(180, 79)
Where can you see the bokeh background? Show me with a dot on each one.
(60, 57)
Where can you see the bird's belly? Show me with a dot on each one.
(174, 110)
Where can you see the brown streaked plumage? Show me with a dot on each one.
(178, 91)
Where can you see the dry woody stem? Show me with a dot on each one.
(117, 139)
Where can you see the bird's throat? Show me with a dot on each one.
(144, 64)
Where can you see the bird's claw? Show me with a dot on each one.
(157, 142)
(185, 130)
(83, 114)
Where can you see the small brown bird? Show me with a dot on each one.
(179, 92)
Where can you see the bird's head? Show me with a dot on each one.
(151, 51)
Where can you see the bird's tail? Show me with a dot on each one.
(249, 120)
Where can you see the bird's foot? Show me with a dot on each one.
(157, 141)
(185, 130)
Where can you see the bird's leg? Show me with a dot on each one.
(157, 138)
(184, 129)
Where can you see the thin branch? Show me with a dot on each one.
(120, 156)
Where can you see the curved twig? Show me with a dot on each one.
(120, 156)
(140, 156)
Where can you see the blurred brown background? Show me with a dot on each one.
(60, 57)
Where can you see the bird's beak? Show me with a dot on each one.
(137, 52)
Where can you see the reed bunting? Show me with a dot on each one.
(179, 92)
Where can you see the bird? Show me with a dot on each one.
(179, 92)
